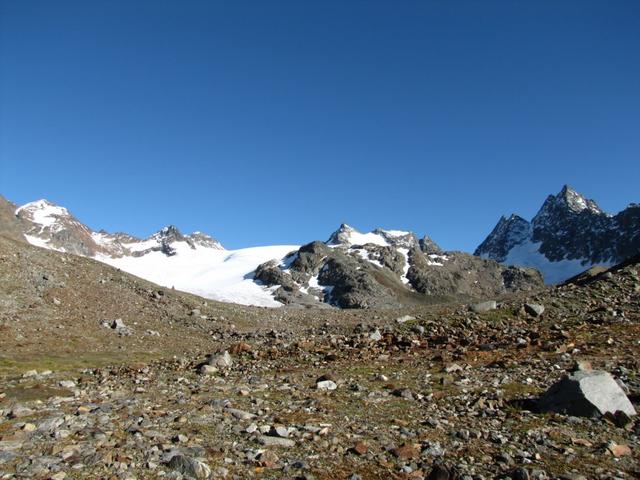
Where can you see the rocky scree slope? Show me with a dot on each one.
(9, 222)
(569, 234)
(63, 308)
(386, 268)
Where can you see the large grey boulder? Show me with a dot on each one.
(586, 394)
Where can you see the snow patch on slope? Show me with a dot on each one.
(41, 242)
(224, 275)
(357, 238)
(405, 269)
(527, 254)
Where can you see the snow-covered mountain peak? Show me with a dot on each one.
(171, 234)
(342, 235)
(346, 235)
(204, 240)
(44, 213)
(566, 202)
(576, 202)
(48, 225)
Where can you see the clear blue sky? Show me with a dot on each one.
(267, 122)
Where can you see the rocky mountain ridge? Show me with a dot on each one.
(386, 268)
(50, 226)
(569, 234)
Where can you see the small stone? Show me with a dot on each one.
(619, 419)
(539, 475)
(403, 393)
(269, 441)
(483, 306)
(326, 385)
(405, 319)
(534, 309)
(239, 348)
(618, 450)
(240, 414)
(454, 367)
(406, 452)
(282, 432)
(440, 472)
(268, 459)
(582, 365)
(251, 428)
(520, 474)
(189, 466)
(376, 336)
(19, 411)
(180, 438)
(67, 384)
(208, 370)
(223, 360)
(117, 324)
(28, 427)
(360, 448)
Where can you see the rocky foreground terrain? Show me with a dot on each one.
(104, 375)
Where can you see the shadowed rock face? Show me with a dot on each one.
(507, 233)
(429, 247)
(568, 226)
(469, 275)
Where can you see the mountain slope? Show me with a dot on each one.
(61, 307)
(195, 263)
(9, 222)
(378, 269)
(569, 234)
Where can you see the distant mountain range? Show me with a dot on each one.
(568, 235)
(382, 268)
